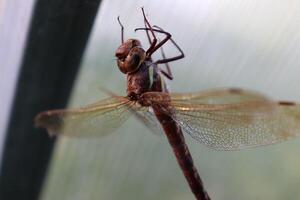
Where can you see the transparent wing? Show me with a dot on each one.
(96, 119)
(233, 119)
(148, 119)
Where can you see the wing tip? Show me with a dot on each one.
(43, 120)
(37, 120)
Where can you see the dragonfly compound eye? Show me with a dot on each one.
(132, 61)
(124, 49)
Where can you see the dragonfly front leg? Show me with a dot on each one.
(122, 30)
(167, 73)
(149, 28)
(166, 60)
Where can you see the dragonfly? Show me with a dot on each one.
(221, 119)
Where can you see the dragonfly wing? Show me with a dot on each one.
(231, 119)
(218, 96)
(236, 119)
(93, 120)
(148, 119)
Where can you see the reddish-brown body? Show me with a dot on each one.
(140, 82)
(182, 153)
(143, 76)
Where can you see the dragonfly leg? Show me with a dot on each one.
(168, 37)
(166, 60)
(147, 33)
(122, 30)
(149, 28)
(167, 73)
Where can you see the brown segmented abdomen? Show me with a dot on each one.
(181, 151)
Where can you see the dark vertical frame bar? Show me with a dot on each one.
(56, 41)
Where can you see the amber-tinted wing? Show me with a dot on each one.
(218, 96)
(93, 120)
(232, 119)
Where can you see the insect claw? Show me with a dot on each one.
(120, 22)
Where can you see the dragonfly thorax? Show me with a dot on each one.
(145, 79)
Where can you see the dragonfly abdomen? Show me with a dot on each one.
(182, 153)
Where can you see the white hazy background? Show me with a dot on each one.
(250, 44)
(14, 23)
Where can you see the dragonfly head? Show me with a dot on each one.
(130, 55)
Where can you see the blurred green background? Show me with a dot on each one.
(248, 44)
